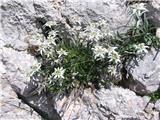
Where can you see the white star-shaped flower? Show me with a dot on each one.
(110, 50)
(62, 52)
(59, 73)
(112, 70)
(139, 8)
(52, 37)
(95, 35)
(114, 57)
(99, 52)
(141, 48)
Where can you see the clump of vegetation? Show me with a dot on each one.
(155, 96)
(91, 55)
(76, 60)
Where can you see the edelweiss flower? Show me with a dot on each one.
(62, 52)
(94, 35)
(92, 32)
(51, 37)
(139, 8)
(99, 52)
(59, 73)
(141, 48)
(110, 50)
(114, 57)
(112, 70)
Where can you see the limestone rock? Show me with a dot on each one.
(154, 14)
(158, 33)
(105, 104)
(17, 65)
(144, 74)
(20, 18)
(12, 107)
(149, 108)
(154, 11)
(114, 12)
(2, 69)
(157, 105)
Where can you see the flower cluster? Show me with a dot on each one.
(138, 10)
(88, 54)
(99, 52)
(70, 63)
(93, 31)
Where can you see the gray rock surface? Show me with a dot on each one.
(154, 14)
(17, 66)
(115, 13)
(11, 107)
(149, 107)
(22, 18)
(105, 104)
(157, 105)
(144, 74)
(154, 11)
